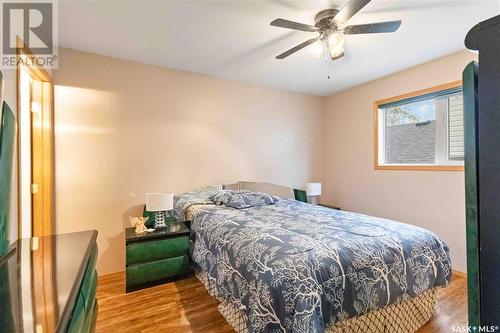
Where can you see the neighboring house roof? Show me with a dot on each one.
(411, 143)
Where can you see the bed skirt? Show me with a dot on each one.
(404, 317)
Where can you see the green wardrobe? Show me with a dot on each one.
(7, 143)
(481, 87)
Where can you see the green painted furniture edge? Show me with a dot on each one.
(153, 250)
(90, 290)
(90, 302)
(90, 270)
(81, 319)
(300, 195)
(93, 321)
(78, 316)
(91, 317)
(7, 142)
(471, 186)
(84, 307)
(7, 318)
(1, 101)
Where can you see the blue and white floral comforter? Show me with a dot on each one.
(295, 267)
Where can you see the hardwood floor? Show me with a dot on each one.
(185, 306)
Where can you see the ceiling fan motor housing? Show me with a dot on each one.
(323, 19)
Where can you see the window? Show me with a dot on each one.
(421, 131)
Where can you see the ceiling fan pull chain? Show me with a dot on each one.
(328, 62)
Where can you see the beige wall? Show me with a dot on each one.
(433, 200)
(124, 129)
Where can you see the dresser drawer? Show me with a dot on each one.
(143, 273)
(143, 252)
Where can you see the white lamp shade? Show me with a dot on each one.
(313, 189)
(159, 202)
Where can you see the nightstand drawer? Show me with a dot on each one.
(143, 252)
(161, 269)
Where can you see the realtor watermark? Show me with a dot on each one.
(475, 329)
(32, 24)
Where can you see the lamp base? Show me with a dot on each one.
(160, 220)
(313, 199)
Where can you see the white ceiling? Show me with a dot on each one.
(233, 39)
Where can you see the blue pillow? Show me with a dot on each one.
(240, 200)
(221, 197)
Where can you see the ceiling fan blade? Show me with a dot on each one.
(349, 9)
(282, 23)
(372, 28)
(296, 48)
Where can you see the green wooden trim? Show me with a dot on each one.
(90, 292)
(470, 92)
(78, 317)
(93, 317)
(1, 101)
(89, 272)
(90, 317)
(7, 142)
(300, 195)
(82, 316)
(7, 318)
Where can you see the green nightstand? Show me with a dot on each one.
(156, 256)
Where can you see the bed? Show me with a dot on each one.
(294, 267)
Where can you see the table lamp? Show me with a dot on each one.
(159, 203)
(313, 191)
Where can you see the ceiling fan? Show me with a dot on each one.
(330, 24)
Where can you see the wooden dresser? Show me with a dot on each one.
(48, 284)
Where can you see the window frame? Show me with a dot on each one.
(410, 167)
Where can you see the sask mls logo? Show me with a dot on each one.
(34, 24)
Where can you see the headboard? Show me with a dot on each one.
(277, 190)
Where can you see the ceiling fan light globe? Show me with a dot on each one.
(336, 54)
(316, 49)
(335, 39)
(336, 51)
(335, 44)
